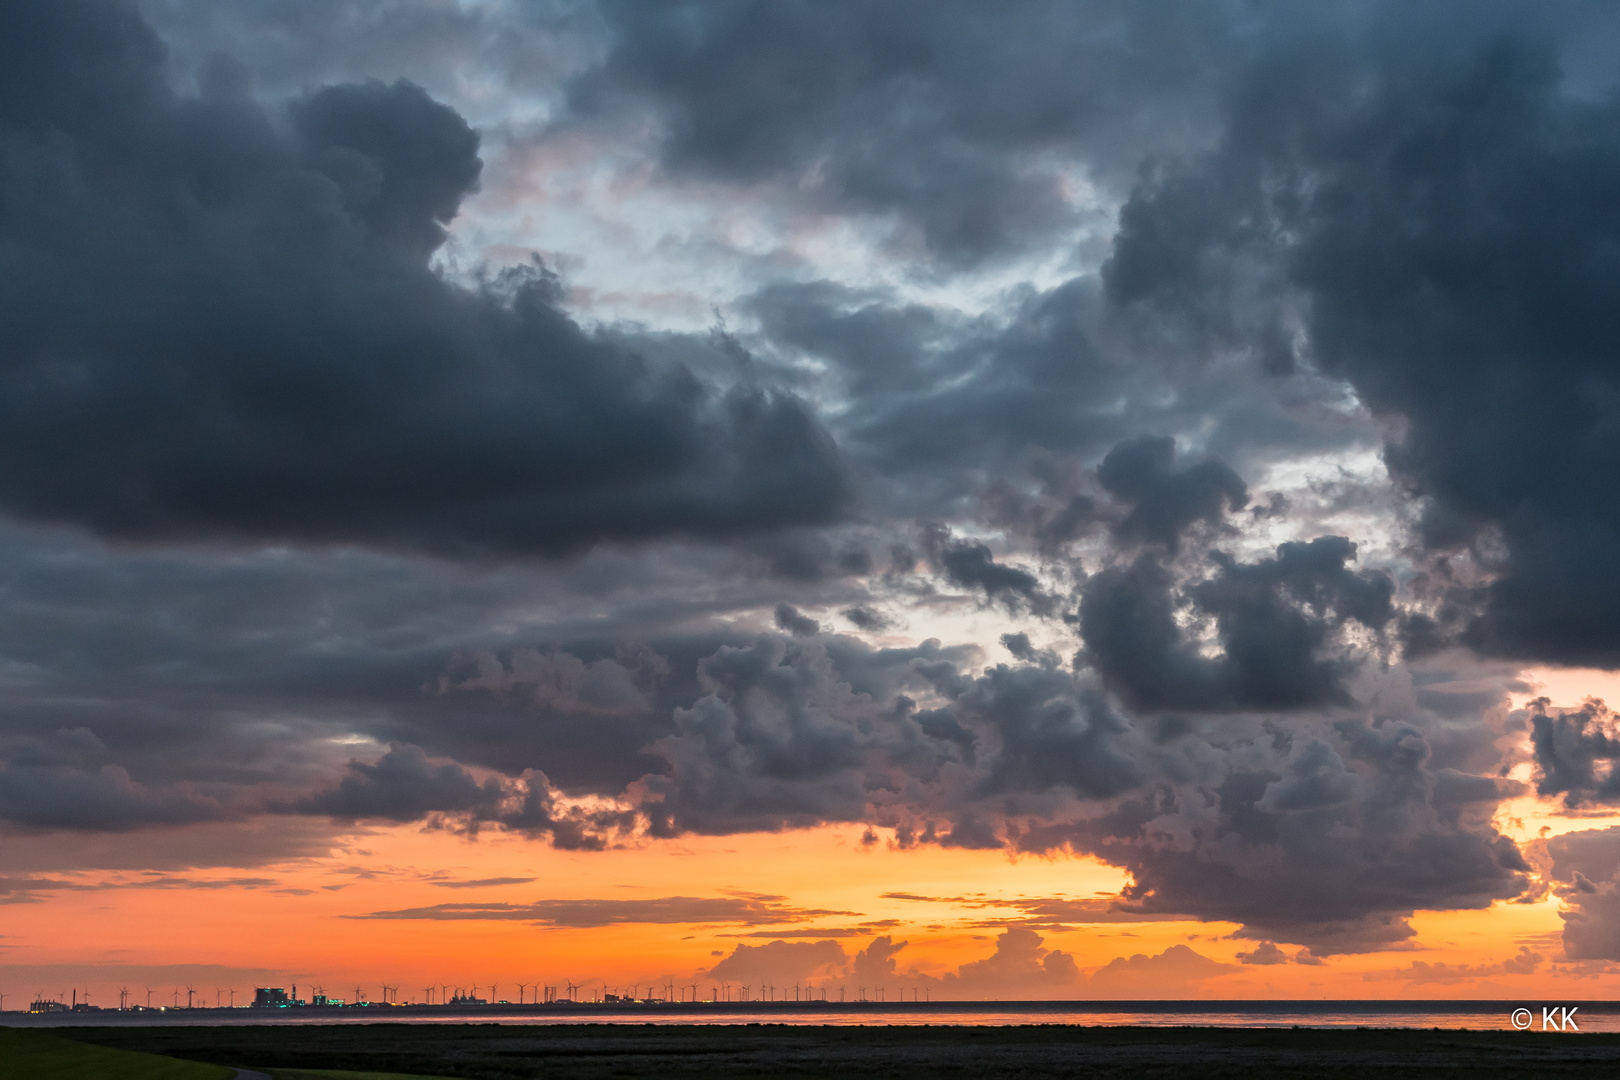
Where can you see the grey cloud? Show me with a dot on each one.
(1051, 912)
(939, 114)
(784, 737)
(100, 799)
(1264, 953)
(799, 731)
(1424, 206)
(971, 565)
(789, 620)
(225, 325)
(868, 619)
(1275, 621)
(1330, 843)
(31, 889)
(1575, 752)
(272, 357)
(1013, 411)
(1315, 778)
(747, 910)
(1164, 496)
(1586, 865)
(403, 785)
(482, 883)
(1051, 731)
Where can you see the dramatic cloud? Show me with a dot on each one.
(1276, 622)
(1433, 222)
(268, 355)
(1142, 433)
(1575, 751)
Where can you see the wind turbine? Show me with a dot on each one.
(148, 997)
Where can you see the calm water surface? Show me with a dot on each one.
(1588, 1016)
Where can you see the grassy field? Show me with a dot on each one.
(40, 1055)
(687, 1052)
(338, 1074)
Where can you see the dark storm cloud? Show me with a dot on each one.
(219, 318)
(1051, 732)
(286, 45)
(1276, 621)
(867, 618)
(1575, 752)
(797, 732)
(220, 321)
(405, 785)
(794, 733)
(1008, 416)
(1164, 496)
(65, 781)
(1425, 207)
(1329, 841)
(789, 619)
(952, 118)
(971, 565)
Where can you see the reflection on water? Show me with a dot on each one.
(1473, 1015)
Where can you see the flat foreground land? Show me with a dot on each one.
(43, 1055)
(623, 1052)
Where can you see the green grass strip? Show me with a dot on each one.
(340, 1074)
(39, 1055)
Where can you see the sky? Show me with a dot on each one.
(1036, 500)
